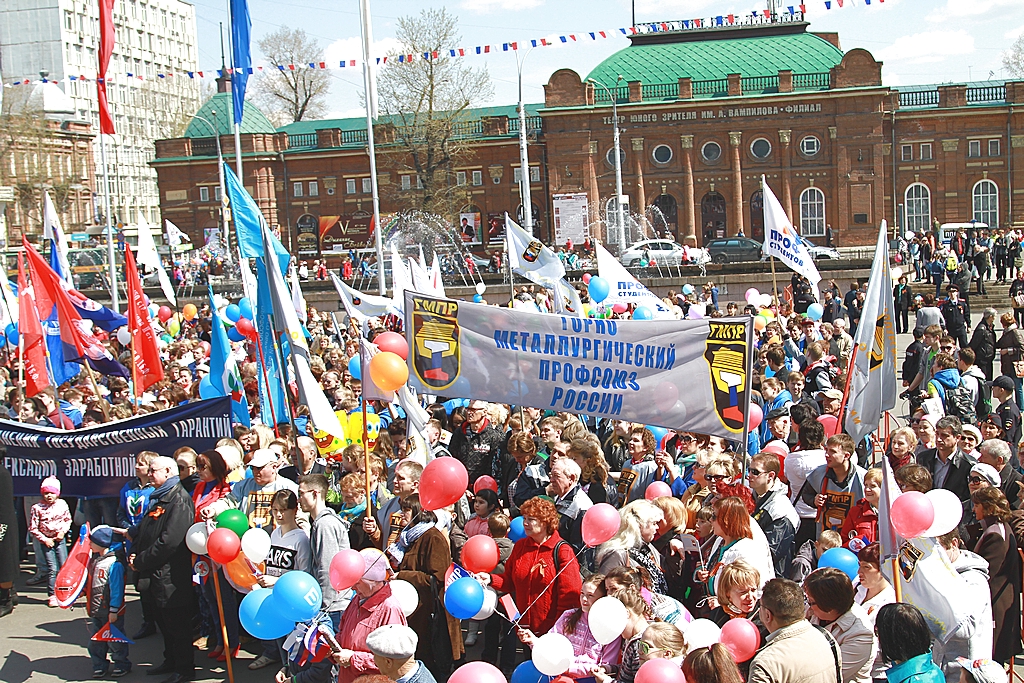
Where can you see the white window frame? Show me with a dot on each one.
(478, 177)
(984, 204)
(406, 182)
(367, 186)
(816, 145)
(460, 177)
(204, 193)
(216, 193)
(314, 188)
(917, 204)
(350, 185)
(654, 152)
(926, 151)
(755, 141)
(812, 212)
(906, 153)
(419, 182)
(297, 189)
(974, 148)
(535, 174)
(993, 144)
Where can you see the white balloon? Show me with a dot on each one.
(766, 300)
(896, 273)
(552, 654)
(407, 596)
(490, 604)
(948, 512)
(607, 619)
(124, 336)
(481, 288)
(196, 537)
(702, 633)
(256, 545)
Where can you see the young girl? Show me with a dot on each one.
(861, 525)
(636, 624)
(485, 503)
(662, 640)
(50, 522)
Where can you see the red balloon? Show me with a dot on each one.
(586, 278)
(164, 313)
(660, 671)
(480, 554)
(741, 638)
(223, 545)
(600, 523)
(393, 342)
(205, 347)
(657, 489)
(912, 514)
(830, 423)
(619, 307)
(478, 672)
(777, 448)
(245, 326)
(347, 567)
(754, 416)
(444, 481)
(485, 482)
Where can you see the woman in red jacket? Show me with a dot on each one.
(860, 528)
(531, 569)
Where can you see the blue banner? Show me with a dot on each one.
(97, 461)
(241, 27)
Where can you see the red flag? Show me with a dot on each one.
(31, 330)
(145, 355)
(106, 49)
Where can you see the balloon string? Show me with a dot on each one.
(550, 583)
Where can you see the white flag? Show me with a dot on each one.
(781, 238)
(298, 301)
(358, 305)
(873, 383)
(371, 392)
(174, 235)
(400, 280)
(52, 231)
(147, 255)
(625, 288)
(421, 281)
(528, 257)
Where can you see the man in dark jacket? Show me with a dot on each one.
(476, 443)
(984, 342)
(957, 316)
(774, 512)
(948, 464)
(913, 361)
(164, 564)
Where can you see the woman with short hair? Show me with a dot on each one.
(830, 597)
(736, 540)
(905, 643)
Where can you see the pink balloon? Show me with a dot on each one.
(657, 489)
(912, 514)
(665, 395)
(741, 638)
(600, 523)
(586, 278)
(347, 568)
(444, 481)
(393, 342)
(830, 423)
(485, 481)
(754, 416)
(480, 554)
(660, 671)
(477, 672)
(619, 307)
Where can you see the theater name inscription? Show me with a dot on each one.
(724, 113)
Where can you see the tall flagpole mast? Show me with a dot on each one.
(111, 265)
(370, 89)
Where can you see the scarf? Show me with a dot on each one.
(408, 536)
(165, 487)
(644, 556)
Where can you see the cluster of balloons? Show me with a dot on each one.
(915, 514)
(388, 369)
(240, 315)
(763, 303)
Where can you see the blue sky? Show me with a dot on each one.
(919, 41)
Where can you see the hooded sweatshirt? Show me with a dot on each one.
(973, 639)
(942, 381)
(327, 537)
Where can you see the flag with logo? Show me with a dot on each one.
(224, 375)
(31, 330)
(145, 354)
(174, 235)
(358, 305)
(873, 382)
(782, 241)
(626, 289)
(110, 634)
(528, 257)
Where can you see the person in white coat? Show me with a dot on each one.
(973, 639)
(830, 597)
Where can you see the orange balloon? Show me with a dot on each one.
(388, 371)
(189, 311)
(239, 572)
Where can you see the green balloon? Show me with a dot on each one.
(235, 520)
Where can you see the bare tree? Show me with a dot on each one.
(290, 95)
(1013, 58)
(426, 102)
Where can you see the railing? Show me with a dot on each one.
(299, 140)
(621, 94)
(534, 124)
(822, 79)
(987, 93)
(204, 147)
(660, 91)
(919, 98)
(353, 137)
(715, 88)
(759, 84)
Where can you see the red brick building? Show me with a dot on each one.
(703, 114)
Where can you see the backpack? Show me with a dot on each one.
(984, 406)
(958, 403)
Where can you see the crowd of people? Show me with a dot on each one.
(736, 531)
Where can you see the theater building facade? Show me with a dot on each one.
(703, 114)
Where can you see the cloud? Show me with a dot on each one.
(352, 48)
(968, 8)
(488, 6)
(929, 46)
(1014, 33)
(359, 113)
(658, 9)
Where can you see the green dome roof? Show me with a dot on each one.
(253, 120)
(716, 58)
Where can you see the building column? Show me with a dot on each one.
(785, 137)
(593, 191)
(641, 191)
(736, 223)
(689, 224)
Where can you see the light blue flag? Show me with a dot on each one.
(249, 222)
(241, 29)
(272, 400)
(60, 371)
(224, 376)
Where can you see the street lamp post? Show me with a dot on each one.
(620, 218)
(223, 195)
(524, 157)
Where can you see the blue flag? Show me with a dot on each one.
(60, 371)
(224, 376)
(272, 400)
(241, 28)
(249, 222)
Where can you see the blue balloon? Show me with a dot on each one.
(643, 313)
(259, 616)
(297, 596)
(659, 435)
(687, 290)
(478, 298)
(233, 312)
(153, 310)
(206, 388)
(234, 335)
(527, 673)
(245, 307)
(598, 289)
(516, 530)
(355, 368)
(842, 559)
(11, 331)
(815, 311)
(463, 599)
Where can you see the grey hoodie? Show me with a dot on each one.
(327, 537)
(973, 639)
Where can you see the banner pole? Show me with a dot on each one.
(96, 389)
(223, 624)
(21, 363)
(266, 381)
(846, 389)
(775, 284)
(287, 398)
(366, 454)
(135, 381)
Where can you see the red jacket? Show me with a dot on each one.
(529, 569)
(861, 521)
(208, 493)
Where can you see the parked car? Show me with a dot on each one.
(820, 252)
(733, 249)
(663, 252)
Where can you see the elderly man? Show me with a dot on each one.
(306, 461)
(996, 453)
(476, 443)
(571, 501)
(254, 496)
(164, 564)
(841, 344)
(394, 651)
(794, 651)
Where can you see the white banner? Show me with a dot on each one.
(625, 288)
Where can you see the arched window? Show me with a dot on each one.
(918, 202)
(986, 203)
(812, 212)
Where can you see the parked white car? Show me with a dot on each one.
(663, 252)
(818, 252)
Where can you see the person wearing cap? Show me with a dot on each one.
(996, 453)
(779, 427)
(374, 606)
(477, 443)
(1008, 412)
(969, 440)
(957, 315)
(49, 522)
(254, 495)
(980, 671)
(831, 402)
(394, 652)
(105, 597)
(981, 476)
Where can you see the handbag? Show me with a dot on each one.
(1018, 368)
(1018, 300)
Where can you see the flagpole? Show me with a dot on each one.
(366, 452)
(111, 265)
(279, 352)
(96, 389)
(266, 380)
(135, 380)
(223, 624)
(21, 363)
(846, 389)
(370, 91)
(775, 284)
